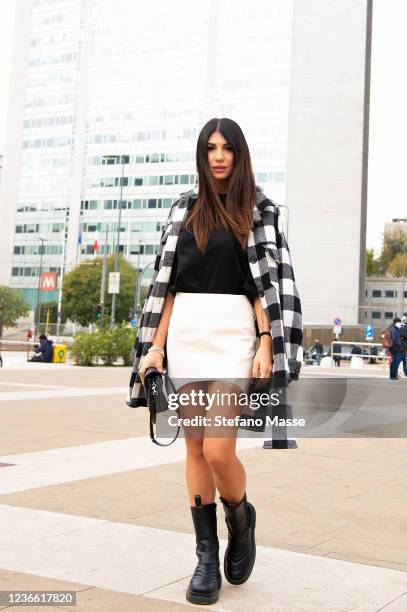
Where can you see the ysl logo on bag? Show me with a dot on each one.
(154, 388)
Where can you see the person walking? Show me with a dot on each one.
(319, 349)
(395, 349)
(337, 348)
(222, 308)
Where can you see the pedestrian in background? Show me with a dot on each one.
(319, 350)
(336, 348)
(355, 350)
(403, 336)
(395, 349)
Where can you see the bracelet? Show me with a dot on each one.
(157, 348)
(265, 334)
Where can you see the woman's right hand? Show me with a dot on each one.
(152, 359)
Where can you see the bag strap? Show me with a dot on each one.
(153, 438)
(168, 380)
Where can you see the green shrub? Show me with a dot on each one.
(84, 348)
(124, 336)
(106, 344)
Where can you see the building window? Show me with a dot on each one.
(388, 315)
(376, 314)
(376, 293)
(389, 293)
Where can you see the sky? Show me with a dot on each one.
(388, 116)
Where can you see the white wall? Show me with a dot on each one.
(13, 136)
(325, 156)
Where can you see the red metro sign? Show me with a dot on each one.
(48, 281)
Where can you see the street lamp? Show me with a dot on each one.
(116, 256)
(37, 324)
(138, 290)
(138, 283)
(403, 264)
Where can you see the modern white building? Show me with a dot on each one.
(326, 186)
(108, 98)
(386, 298)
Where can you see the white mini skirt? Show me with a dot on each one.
(211, 336)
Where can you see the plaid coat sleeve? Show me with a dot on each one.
(148, 316)
(290, 304)
(272, 270)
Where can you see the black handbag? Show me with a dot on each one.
(157, 386)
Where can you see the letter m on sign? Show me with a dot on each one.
(48, 281)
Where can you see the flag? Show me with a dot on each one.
(79, 238)
(95, 247)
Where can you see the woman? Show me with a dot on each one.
(223, 272)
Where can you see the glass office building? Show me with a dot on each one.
(115, 93)
(109, 96)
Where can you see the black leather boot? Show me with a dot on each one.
(240, 553)
(206, 580)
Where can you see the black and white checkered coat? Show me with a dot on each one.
(272, 271)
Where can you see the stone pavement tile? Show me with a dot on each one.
(157, 564)
(357, 558)
(102, 600)
(17, 581)
(54, 466)
(338, 546)
(283, 581)
(71, 377)
(114, 556)
(397, 605)
(49, 423)
(289, 516)
(362, 449)
(4, 388)
(88, 599)
(121, 497)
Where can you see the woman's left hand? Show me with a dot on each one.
(262, 362)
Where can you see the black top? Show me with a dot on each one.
(223, 268)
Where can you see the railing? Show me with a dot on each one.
(18, 345)
(369, 345)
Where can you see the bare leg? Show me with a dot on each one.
(219, 448)
(199, 476)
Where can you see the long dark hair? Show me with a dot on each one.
(209, 211)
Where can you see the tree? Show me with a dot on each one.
(373, 266)
(12, 307)
(396, 265)
(81, 290)
(393, 243)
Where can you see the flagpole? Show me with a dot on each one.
(79, 242)
(59, 308)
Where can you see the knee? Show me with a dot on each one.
(217, 458)
(195, 448)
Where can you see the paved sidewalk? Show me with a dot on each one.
(87, 503)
